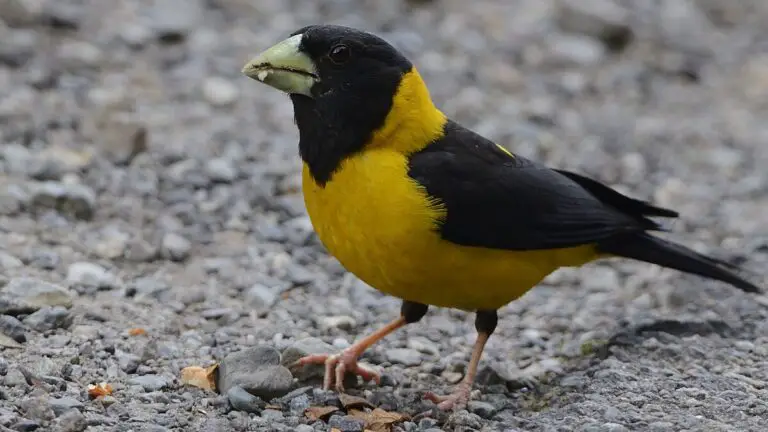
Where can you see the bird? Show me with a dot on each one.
(428, 211)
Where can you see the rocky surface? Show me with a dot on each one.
(150, 217)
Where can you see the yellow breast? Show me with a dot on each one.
(380, 225)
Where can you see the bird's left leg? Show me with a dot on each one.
(485, 323)
(337, 365)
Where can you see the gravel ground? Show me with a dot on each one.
(150, 217)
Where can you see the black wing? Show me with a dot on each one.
(496, 200)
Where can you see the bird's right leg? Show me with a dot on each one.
(336, 365)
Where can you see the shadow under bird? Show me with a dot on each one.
(428, 211)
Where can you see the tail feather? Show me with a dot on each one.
(644, 247)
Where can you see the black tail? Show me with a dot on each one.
(644, 247)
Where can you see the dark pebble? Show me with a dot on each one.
(241, 400)
(346, 423)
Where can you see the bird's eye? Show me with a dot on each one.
(340, 54)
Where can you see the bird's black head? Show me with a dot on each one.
(342, 82)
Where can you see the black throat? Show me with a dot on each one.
(337, 125)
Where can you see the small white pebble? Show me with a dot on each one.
(219, 92)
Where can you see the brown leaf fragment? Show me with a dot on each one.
(349, 401)
(197, 376)
(378, 420)
(315, 413)
(137, 331)
(99, 390)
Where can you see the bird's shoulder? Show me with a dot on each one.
(494, 198)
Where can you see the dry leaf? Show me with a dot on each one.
(335, 430)
(349, 401)
(315, 413)
(378, 420)
(204, 378)
(138, 331)
(99, 390)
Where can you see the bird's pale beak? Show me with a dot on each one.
(284, 67)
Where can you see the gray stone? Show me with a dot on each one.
(71, 421)
(150, 382)
(575, 50)
(37, 293)
(171, 19)
(241, 400)
(598, 18)
(346, 423)
(49, 318)
(15, 378)
(404, 356)
(220, 92)
(221, 170)
(175, 247)
(483, 409)
(37, 408)
(72, 199)
(18, 47)
(257, 371)
(21, 12)
(299, 404)
(64, 404)
(13, 328)
(128, 362)
(343, 322)
(78, 55)
(260, 297)
(122, 139)
(90, 275)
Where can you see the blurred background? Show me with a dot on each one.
(144, 182)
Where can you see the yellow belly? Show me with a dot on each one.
(375, 220)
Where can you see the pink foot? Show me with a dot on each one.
(337, 365)
(455, 401)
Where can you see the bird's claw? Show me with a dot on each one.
(337, 365)
(455, 401)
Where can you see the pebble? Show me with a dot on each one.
(72, 421)
(175, 19)
(49, 318)
(404, 356)
(21, 12)
(128, 362)
(71, 199)
(13, 328)
(150, 382)
(64, 404)
(175, 247)
(241, 400)
(260, 297)
(76, 55)
(90, 275)
(122, 140)
(575, 50)
(598, 18)
(346, 423)
(257, 370)
(220, 92)
(483, 409)
(37, 408)
(221, 170)
(343, 322)
(37, 293)
(18, 47)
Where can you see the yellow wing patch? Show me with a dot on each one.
(505, 150)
